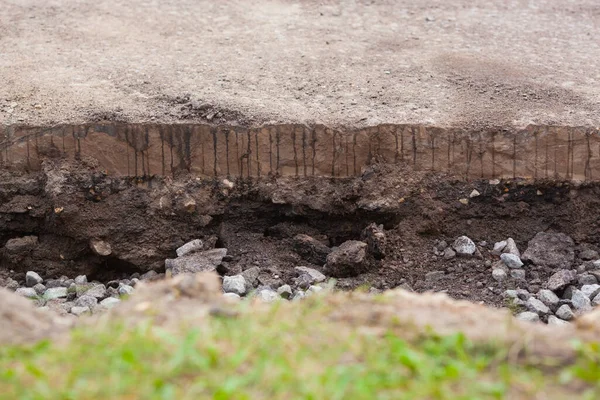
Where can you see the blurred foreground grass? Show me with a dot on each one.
(291, 351)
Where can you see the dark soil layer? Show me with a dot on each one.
(144, 220)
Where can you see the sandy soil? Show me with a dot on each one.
(353, 63)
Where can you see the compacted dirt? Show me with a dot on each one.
(345, 63)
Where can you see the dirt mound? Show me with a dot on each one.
(22, 322)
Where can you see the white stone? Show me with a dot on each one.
(511, 261)
(464, 246)
(591, 291)
(32, 279)
(552, 320)
(528, 316)
(234, 284)
(190, 247)
(267, 295)
(499, 274)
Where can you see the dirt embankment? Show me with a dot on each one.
(68, 206)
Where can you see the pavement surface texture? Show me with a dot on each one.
(468, 64)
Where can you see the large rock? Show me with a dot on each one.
(204, 261)
(190, 247)
(100, 247)
(552, 320)
(549, 298)
(349, 259)
(234, 284)
(564, 312)
(251, 276)
(27, 292)
(591, 291)
(267, 295)
(528, 316)
(555, 250)
(32, 279)
(86, 301)
(511, 248)
(311, 249)
(375, 238)
(561, 279)
(55, 293)
(511, 260)
(316, 276)
(18, 245)
(581, 303)
(536, 306)
(285, 292)
(464, 246)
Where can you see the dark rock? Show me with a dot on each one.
(564, 312)
(349, 259)
(586, 279)
(205, 261)
(434, 276)
(317, 276)
(32, 279)
(555, 250)
(251, 276)
(311, 249)
(22, 244)
(375, 238)
(588, 255)
(303, 281)
(560, 279)
(190, 247)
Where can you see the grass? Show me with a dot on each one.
(291, 351)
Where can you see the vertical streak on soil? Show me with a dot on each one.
(555, 157)
(588, 170)
(535, 165)
(295, 150)
(514, 156)
(214, 136)
(62, 131)
(277, 138)
(148, 151)
(401, 145)
(347, 151)
(162, 148)
(568, 156)
(249, 152)
(304, 150)
(227, 151)
(414, 145)
(432, 151)
(354, 151)
(171, 151)
(547, 161)
(126, 148)
(270, 152)
(469, 156)
(314, 148)
(572, 153)
(28, 163)
(238, 160)
(481, 153)
(333, 154)
(258, 166)
(396, 155)
(448, 156)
